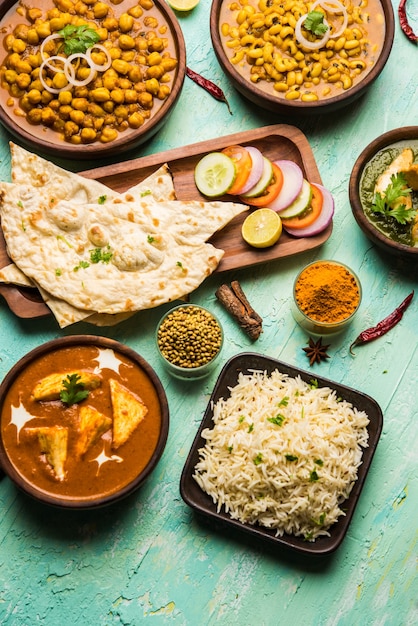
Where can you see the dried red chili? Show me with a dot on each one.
(384, 326)
(209, 86)
(403, 20)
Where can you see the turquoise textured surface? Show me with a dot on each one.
(149, 560)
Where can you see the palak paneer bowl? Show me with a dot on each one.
(302, 57)
(89, 79)
(83, 422)
(385, 177)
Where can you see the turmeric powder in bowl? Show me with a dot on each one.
(326, 294)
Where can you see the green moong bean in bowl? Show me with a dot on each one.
(189, 341)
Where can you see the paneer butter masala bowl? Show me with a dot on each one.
(302, 57)
(84, 421)
(88, 78)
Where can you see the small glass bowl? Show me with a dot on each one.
(191, 334)
(332, 271)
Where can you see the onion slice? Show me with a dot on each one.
(306, 43)
(323, 220)
(48, 63)
(292, 185)
(69, 70)
(45, 41)
(256, 169)
(99, 68)
(333, 6)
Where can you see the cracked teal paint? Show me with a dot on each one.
(149, 560)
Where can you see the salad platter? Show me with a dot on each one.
(276, 142)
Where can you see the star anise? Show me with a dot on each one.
(316, 352)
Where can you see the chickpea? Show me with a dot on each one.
(131, 96)
(23, 81)
(126, 22)
(107, 135)
(126, 42)
(100, 10)
(118, 96)
(121, 67)
(34, 116)
(70, 128)
(146, 100)
(136, 120)
(77, 117)
(88, 135)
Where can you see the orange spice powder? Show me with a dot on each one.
(327, 292)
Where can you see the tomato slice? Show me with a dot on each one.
(271, 192)
(310, 215)
(243, 164)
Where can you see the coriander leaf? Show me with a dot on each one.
(73, 391)
(291, 457)
(102, 199)
(258, 459)
(313, 476)
(277, 419)
(81, 265)
(78, 38)
(100, 255)
(315, 23)
(388, 204)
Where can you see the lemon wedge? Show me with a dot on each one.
(183, 5)
(262, 228)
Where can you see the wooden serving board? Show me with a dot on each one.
(279, 141)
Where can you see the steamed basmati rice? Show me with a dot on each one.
(282, 453)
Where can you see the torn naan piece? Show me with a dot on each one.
(120, 257)
(11, 275)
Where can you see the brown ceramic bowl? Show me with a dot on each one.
(102, 463)
(262, 94)
(371, 162)
(43, 140)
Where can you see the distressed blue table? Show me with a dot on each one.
(149, 560)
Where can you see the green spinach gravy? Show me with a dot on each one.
(401, 233)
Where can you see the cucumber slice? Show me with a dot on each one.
(260, 187)
(214, 174)
(301, 202)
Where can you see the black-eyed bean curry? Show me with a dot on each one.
(302, 51)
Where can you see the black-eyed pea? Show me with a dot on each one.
(353, 52)
(294, 94)
(340, 43)
(247, 40)
(233, 43)
(351, 44)
(287, 31)
(334, 78)
(241, 17)
(346, 81)
(238, 57)
(280, 86)
(309, 96)
(316, 70)
(274, 30)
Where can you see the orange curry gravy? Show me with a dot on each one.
(102, 470)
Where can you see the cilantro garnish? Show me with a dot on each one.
(102, 199)
(73, 391)
(78, 38)
(145, 193)
(284, 401)
(250, 428)
(81, 265)
(100, 255)
(313, 476)
(258, 459)
(291, 457)
(315, 23)
(150, 239)
(385, 203)
(277, 419)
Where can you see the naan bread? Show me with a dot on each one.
(103, 252)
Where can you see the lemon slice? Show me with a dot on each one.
(183, 5)
(262, 228)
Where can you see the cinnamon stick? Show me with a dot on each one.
(236, 303)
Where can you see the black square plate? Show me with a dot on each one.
(203, 504)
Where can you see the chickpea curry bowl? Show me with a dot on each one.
(84, 422)
(302, 56)
(83, 78)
